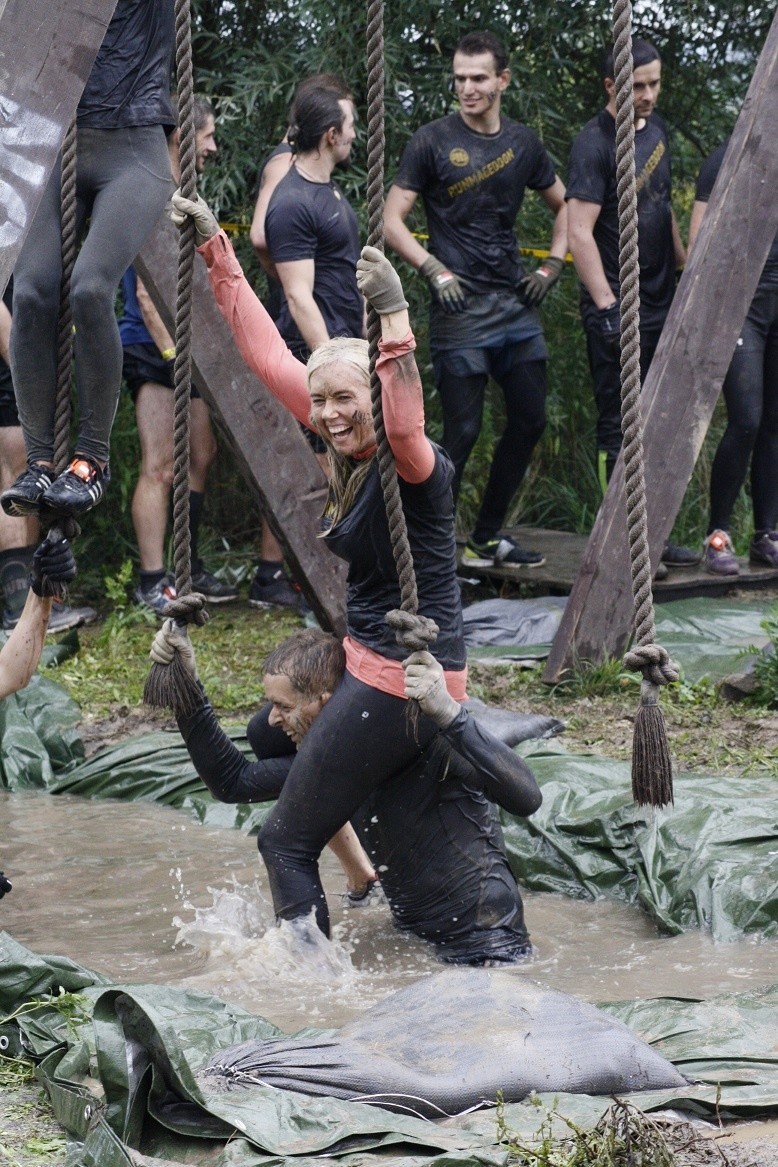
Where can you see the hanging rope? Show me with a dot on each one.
(652, 780)
(413, 631)
(62, 410)
(172, 686)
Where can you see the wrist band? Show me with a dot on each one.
(168, 354)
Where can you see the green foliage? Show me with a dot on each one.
(601, 679)
(766, 664)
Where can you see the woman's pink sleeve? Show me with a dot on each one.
(257, 337)
(402, 401)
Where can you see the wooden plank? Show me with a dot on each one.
(267, 442)
(686, 374)
(47, 50)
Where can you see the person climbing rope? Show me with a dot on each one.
(123, 181)
(429, 830)
(363, 735)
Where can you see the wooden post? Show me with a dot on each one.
(47, 49)
(689, 366)
(267, 442)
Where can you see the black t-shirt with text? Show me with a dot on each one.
(592, 179)
(472, 186)
(313, 220)
(707, 176)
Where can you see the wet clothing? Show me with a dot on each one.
(751, 396)
(472, 186)
(363, 736)
(429, 830)
(8, 413)
(122, 161)
(592, 179)
(313, 220)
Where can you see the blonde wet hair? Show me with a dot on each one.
(347, 474)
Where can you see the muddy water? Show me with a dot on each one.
(143, 893)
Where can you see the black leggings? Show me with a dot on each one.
(751, 396)
(523, 384)
(361, 739)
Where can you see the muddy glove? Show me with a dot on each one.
(5, 885)
(608, 321)
(446, 288)
(52, 563)
(206, 224)
(424, 680)
(379, 283)
(171, 640)
(534, 288)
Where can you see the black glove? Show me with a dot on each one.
(608, 321)
(534, 288)
(52, 564)
(5, 885)
(446, 288)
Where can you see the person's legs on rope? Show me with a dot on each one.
(123, 178)
(522, 379)
(359, 740)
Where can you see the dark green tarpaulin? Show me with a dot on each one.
(123, 1075)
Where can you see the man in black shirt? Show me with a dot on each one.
(471, 170)
(430, 831)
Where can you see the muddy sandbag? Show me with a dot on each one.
(453, 1042)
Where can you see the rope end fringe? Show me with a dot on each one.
(172, 687)
(652, 771)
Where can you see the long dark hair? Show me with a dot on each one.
(317, 111)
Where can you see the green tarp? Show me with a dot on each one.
(122, 1075)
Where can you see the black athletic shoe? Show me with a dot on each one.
(214, 589)
(24, 497)
(676, 556)
(62, 618)
(503, 552)
(78, 488)
(276, 592)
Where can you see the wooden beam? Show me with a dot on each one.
(267, 442)
(47, 49)
(683, 383)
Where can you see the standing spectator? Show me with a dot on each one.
(594, 242)
(271, 584)
(19, 537)
(751, 397)
(472, 169)
(149, 355)
(122, 118)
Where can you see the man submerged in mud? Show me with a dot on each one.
(431, 830)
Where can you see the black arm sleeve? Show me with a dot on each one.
(229, 776)
(507, 779)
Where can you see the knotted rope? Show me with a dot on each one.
(652, 780)
(413, 631)
(172, 686)
(62, 407)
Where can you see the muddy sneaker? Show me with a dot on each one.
(718, 554)
(674, 555)
(64, 617)
(23, 498)
(78, 488)
(764, 549)
(158, 597)
(503, 551)
(214, 590)
(369, 896)
(275, 591)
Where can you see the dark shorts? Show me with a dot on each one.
(142, 364)
(8, 414)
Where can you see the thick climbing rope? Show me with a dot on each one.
(62, 407)
(172, 686)
(651, 767)
(413, 631)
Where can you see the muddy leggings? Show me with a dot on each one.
(360, 739)
(123, 183)
(751, 396)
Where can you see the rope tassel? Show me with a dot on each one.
(652, 771)
(173, 686)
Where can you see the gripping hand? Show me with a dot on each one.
(608, 321)
(206, 224)
(379, 283)
(424, 681)
(52, 563)
(171, 640)
(534, 288)
(446, 288)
